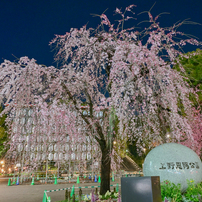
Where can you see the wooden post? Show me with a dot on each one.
(69, 171)
(46, 171)
(73, 199)
(80, 194)
(69, 195)
(96, 190)
(66, 194)
(58, 169)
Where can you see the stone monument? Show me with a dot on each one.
(173, 162)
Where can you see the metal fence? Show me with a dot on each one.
(72, 191)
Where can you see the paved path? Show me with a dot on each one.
(34, 193)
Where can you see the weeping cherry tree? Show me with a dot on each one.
(125, 74)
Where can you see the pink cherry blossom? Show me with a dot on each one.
(110, 86)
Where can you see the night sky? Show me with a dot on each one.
(27, 27)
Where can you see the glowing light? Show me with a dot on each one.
(114, 142)
(2, 162)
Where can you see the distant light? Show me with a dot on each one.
(2, 162)
(168, 135)
(18, 165)
(144, 149)
(114, 142)
(3, 165)
(2, 170)
(9, 169)
(126, 150)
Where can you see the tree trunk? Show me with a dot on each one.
(105, 171)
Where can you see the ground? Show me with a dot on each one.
(34, 193)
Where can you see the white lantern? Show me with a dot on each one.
(66, 157)
(84, 147)
(30, 120)
(95, 148)
(55, 147)
(88, 156)
(24, 112)
(20, 139)
(62, 147)
(78, 147)
(50, 148)
(28, 138)
(30, 112)
(32, 156)
(43, 157)
(33, 129)
(50, 139)
(61, 138)
(45, 138)
(78, 156)
(38, 148)
(43, 147)
(50, 156)
(87, 138)
(27, 148)
(89, 147)
(54, 139)
(29, 130)
(23, 131)
(60, 156)
(38, 157)
(18, 113)
(38, 139)
(73, 156)
(83, 156)
(15, 128)
(32, 148)
(55, 157)
(23, 121)
(66, 147)
(101, 113)
(20, 147)
(73, 147)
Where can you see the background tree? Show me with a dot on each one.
(192, 64)
(113, 72)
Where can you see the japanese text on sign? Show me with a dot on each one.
(179, 165)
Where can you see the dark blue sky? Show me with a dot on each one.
(27, 26)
